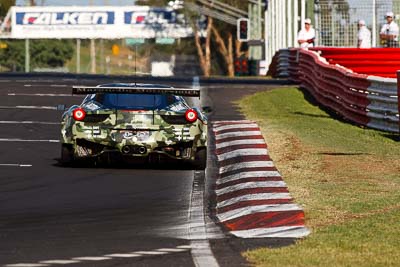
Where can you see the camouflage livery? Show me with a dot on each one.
(134, 133)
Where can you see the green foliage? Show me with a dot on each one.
(346, 177)
(152, 2)
(51, 53)
(44, 53)
(5, 5)
(13, 56)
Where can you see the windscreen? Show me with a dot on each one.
(136, 101)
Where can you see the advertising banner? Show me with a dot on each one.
(105, 22)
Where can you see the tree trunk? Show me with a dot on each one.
(204, 55)
(227, 53)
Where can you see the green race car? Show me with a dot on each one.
(134, 121)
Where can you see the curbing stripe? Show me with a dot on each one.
(250, 158)
(244, 129)
(249, 185)
(247, 180)
(236, 138)
(234, 214)
(248, 191)
(242, 152)
(252, 200)
(237, 134)
(249, 174)
(248, 197)
(281, 232)
(230, 122)
(245, 165)
(267, 219)
(234, 126)
(240, 142)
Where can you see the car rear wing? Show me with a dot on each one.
(83, 90)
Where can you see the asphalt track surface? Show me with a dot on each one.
(102, 216)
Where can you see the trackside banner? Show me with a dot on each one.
(106, 22)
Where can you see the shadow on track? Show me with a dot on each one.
(165, 164)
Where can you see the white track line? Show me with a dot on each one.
(249, 141)
(59, 85)
(249, 174)
(92, 258)
(124, 255)
(201, 252)
(148, 252)
(237, 134)
(27, 265)
(52, 95)
(16, 165)
(243, 152)
(250, 185)
(61, 262)
(282, 232)
(235, 126)
(29, 107)
(249, 197)
(28, 140)
(236, 213)
(243, 165)
(172, 249)
(184, 247)
(30, 122)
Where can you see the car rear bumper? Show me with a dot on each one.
(182, 150)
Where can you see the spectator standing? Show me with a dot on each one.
(390, 31)
(306, 36)
(363, 35)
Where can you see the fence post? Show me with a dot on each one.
(398, 94)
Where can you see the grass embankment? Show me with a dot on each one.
(346, 178)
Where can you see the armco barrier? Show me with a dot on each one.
(366, 100)
(383, 62)
(280, 64)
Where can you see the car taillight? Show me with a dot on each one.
(191, 115)
(79, 114)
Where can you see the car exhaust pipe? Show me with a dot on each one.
(126, 150)
(142, 150)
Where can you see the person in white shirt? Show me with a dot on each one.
(306, 36)
(363, 35)
(390, 31)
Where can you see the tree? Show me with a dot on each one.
(5, 6)
(203, 48)
(44, 53)
(221, 31)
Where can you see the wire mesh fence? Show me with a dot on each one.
(336, 21)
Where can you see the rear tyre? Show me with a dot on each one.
(67, 154)
(200, 160)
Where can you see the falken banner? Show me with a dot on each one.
(105, 22)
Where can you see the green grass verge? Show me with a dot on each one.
(347, 179)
